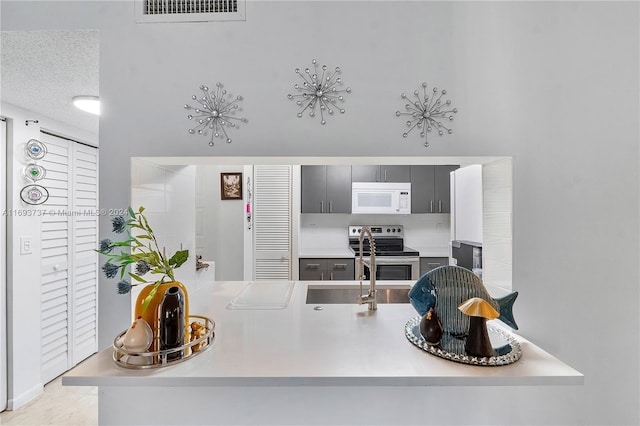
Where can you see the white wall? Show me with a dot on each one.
(23, 271)
(220, 223)
(549, 84)
(168, 195)
(248, 195)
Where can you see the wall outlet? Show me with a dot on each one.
(26, 245)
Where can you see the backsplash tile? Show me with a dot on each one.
(497, 249)
(326, 231)
(168, 196)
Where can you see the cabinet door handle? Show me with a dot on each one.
(322, 276)
(321, 206)
(440, 206)
(330, 207)
(312, 266)
(385, 175)
(433, 264)
(341, 266)
(431, 206)
(331, 276)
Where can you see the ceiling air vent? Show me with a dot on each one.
(189, 10)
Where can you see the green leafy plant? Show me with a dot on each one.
(144, 253)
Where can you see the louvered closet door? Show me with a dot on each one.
(55, 237)
(85, 259)
(3, 266)
(272, 222)
(69, 263)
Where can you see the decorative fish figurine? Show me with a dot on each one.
(446, 287)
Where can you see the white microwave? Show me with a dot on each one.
(380, 198)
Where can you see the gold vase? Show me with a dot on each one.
(150, 315)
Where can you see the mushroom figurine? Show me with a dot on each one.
(478, 342)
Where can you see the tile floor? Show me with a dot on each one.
(58, 405)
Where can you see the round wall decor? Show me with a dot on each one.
(427, 111)
(214, 113)
(319, 91)
(34, 172)
(34, 194)
(36, 149)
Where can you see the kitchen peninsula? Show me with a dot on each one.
(341, 364)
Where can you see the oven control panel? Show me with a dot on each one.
(378, 231)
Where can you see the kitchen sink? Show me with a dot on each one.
(328, 294)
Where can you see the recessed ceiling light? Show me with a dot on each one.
(87, 103)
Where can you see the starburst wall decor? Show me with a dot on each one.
(319, 91)
(214, 113)
(427, 111)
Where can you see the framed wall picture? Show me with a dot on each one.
(231, 186)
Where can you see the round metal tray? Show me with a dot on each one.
(506, 349)
(164, 358)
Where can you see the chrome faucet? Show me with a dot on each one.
(369, 298)
(200, 264)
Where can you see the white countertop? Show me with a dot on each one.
(338, 252)
(339, 345)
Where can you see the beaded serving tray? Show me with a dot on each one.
(164, 358)
(506, 349)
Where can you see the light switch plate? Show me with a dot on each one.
(26, 245)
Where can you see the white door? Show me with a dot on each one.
(84, 225)
(3, 266)
(272, 222)
(69, 263)
(55, 236)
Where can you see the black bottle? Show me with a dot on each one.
(171, 322)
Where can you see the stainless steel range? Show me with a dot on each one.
(394, 261)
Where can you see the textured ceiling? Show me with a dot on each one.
(42, 70)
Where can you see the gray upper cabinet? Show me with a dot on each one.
(365, 173)
(422, 189)
(430, 189)
(442, 188)
(313, 185)
(395, 173)
(326, 189)
(339, 189)
(377, 173)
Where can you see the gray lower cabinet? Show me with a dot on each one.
(429, 263)
(383, 173)
(431, 188)
(325, 189)
(323, 269)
